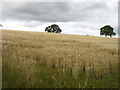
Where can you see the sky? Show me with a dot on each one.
(83, 17)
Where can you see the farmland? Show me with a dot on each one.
(47, 60)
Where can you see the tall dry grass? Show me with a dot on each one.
(84, 57)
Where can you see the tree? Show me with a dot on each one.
(1, 25)
(48, 29)
(107, 30)
(53, 29)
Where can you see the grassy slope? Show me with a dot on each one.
(32, 59)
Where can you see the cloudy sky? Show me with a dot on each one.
(73, 17)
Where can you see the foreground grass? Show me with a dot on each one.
(44, 60)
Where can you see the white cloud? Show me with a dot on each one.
(85, 17)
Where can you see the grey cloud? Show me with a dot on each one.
(37, 11)
(52, 11)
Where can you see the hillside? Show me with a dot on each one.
(35, 59)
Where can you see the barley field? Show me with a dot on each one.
(47, 60)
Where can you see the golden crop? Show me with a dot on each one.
(24, 52)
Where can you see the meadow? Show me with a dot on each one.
(48, 60)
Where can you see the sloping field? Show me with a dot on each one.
(47, 60)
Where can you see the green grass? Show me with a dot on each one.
(52, 78)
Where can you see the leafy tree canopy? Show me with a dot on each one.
(107, 30)
(1, 25)
(53, 29)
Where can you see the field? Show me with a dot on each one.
(47, 60)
